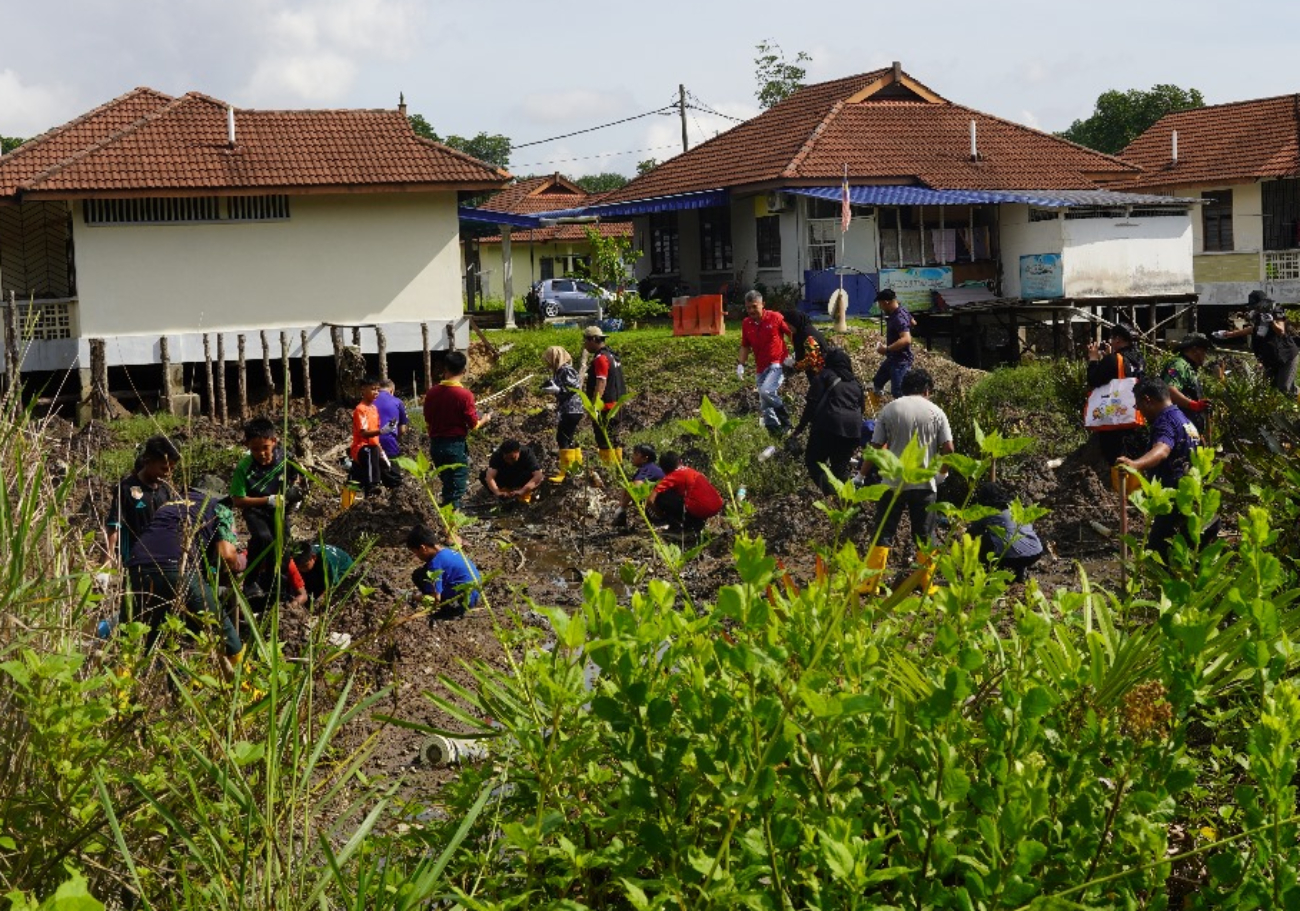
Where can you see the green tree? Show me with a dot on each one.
(1120, 117)
(492, 148)
(777, 77)
(9, 143)
(645, 167)
(601, 183)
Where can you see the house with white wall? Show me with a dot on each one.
(941, 196)
(1243, 161)
(183, 217)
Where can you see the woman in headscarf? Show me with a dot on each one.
(808, 344)
(564, 385)
(833, 412)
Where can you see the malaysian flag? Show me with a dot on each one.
(846, 214)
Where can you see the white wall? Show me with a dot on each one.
(1105, 257)
(344, 259)
(1018, 237)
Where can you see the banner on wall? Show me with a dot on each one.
(913, 286)
(1041, 276)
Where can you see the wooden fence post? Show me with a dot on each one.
(208, 386)
(99, 379)
(381, 346)
(284, 366)
(242, 386)
(306, 372)
(428, 358)
(266, 368)
(222, 401)
(356, 337)
(164, 355)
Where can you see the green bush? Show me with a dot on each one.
(632, 306)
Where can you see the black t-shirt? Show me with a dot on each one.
(512, 477)
(133, 508)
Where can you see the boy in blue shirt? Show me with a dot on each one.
(445, 573)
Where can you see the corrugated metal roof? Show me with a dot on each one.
(678, 202)
(486, 216)
(1047, 199)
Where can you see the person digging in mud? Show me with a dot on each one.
(1270, 341)
(445, 574)
(512, 473)
(808, 343)
(1173, 437)
(170, 563)
(1182, 375)
(833, 412)
(141, 494)
(1107, 362)
(684, 499)
(1004, 543)
(366, 452)
(449, 416)
(266, 486)
(564, 385)
(392, 413)
(605, 385)
(321, 568)
(896, 348)
(648, 474)
(763, 332)
(912, 416)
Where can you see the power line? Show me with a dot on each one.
(614, 123)
(533, 164)
(706, 108)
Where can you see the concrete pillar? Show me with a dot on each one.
(507, 276)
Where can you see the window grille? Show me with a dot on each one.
(715, 239)
(44, 322)
(257, 208)
(185, 210)
(769, 242)
(1157, 211)
(1282, 265)
(1112, 212)
(1216, 220)
(823, 237)
(664, 249)
(1042, 214)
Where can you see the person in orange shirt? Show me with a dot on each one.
(368, 459)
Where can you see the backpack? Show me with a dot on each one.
(615, 386)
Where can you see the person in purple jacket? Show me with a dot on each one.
(1173, 439)
(392, 424)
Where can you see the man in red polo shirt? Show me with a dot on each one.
(450, 414)
(684, 498)
(605, 385)
(764, 332)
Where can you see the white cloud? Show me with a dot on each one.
(320, 78)
(576, 105)
(25, 109)
(1029, 120)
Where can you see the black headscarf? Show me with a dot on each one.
(837, 361)
(802, 329)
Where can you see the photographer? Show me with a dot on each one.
(1271, 342)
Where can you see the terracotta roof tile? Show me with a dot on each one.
(182, 146)
(538, 194)
(1224, 143)
(889, 137)
(562, 233)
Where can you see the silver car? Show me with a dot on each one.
(563, 296)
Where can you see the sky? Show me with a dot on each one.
(536, 70)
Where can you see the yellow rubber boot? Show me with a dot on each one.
(609, 456)
(926, 582)
(877, 559)
(618, 455)
(568, 459)
(875, 400)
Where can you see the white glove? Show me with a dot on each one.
(389, 428)
(740, 371)
(272, 501)
(788, 362)
(1220, 334)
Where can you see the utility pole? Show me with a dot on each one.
(681, 104)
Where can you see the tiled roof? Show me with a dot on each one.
(563, 233)
(1244, 140)
(538, 194)
(181, 145)
(892, 135)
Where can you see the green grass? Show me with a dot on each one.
(199, 454)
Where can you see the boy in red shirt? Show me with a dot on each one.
(368, 459)
(449, 415)
(605, 385)
(684, 498)
(764, 332)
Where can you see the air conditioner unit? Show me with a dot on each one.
(776, 201)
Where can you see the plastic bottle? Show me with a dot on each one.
(740, 494)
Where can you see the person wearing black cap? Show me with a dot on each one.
(1182, 375)
(1111, 361)
(1271, 342)
(604, 387)
(897, 347)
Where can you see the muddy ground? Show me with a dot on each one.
(536, 554)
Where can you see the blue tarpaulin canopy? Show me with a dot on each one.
(701, 200)
(487, 216)
(924, 196)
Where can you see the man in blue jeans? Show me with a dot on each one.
(449, 415)
(897, 347)
(764, 332)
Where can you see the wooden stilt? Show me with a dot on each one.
(99, 381)
(266, 368)
(284, 366)
(13, 363)
(222, 401)
(428, 358)
(306, 371)
(356, 337)
(381, 346)
(241, 384)
(207, 367)
(165, 357)
(336, 337)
